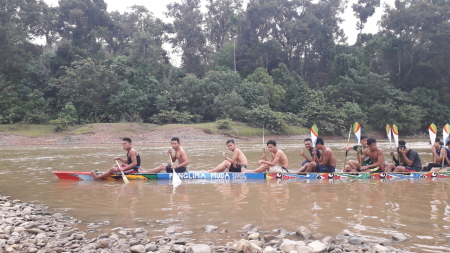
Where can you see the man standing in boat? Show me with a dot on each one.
(233, 164)
(327, 163)
(312, 151)
(278, 164)
(356, 164)
(130, 165)
(376, 156)
(410, 157)
(180, 155)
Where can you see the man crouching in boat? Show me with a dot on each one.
(436, 149)
(315, 154)
(444, 155)
(376, 157)
(133, 162)
(356, 164)
(234, 164)
(278, 164)
(409, 156)
(180, 155)
(327, 161)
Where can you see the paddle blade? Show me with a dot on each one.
(446, 133)
(176, 180)
(314, 134)
(357, 132)
(395, 132)
(125, 179)
(389, 133)
(432, 130)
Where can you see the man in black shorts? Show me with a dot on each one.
(233, 164)
(180, 155)
(410, 157)
(130, 165)
(327, 162)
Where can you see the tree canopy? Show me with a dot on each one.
(266, 63)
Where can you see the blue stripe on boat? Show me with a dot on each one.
(219, 175)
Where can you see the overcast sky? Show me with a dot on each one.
(158, 7)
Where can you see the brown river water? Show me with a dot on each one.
(372, 209)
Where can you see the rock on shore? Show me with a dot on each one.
(31, 228)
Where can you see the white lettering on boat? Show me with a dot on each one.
(220, 176)
(239, 176)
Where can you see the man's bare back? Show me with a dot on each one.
(240, 157)
(282, 158)
(328, 157)
(374, 155)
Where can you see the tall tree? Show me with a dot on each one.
(421, 37)
(81, 22)
(20, 23)
(363, 10)
(220, 20)
(189, 35)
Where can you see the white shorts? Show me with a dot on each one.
(277, 169)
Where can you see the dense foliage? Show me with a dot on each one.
(269, 63)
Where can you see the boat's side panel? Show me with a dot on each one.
(73, 175)
(219, 175)
(77, 175)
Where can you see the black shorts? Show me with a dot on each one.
(433, 165)
(135, 169)
(177, 170)
(325, 168)
(412, 169)
(376, 170)
(236, 168)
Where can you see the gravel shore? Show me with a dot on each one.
(32, 228)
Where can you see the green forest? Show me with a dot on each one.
(267, 63)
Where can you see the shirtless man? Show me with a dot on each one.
(234, 164)
(327, 162)
(376, 156)
(130, 165)
(313, 153)
(278, 164)
(356, 164)
(180, 155)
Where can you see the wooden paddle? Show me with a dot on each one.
(389, 136)
(432, 132)
(346, 151)
(357, 132)
(176, 180)
(124, 178)
(446, 134)
(395, 133)
(314, 134)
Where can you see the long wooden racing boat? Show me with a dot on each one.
(77, 175)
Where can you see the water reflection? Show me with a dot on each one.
(419, 208)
